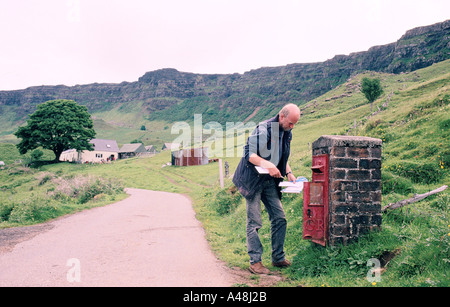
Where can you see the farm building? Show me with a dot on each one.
(104, 151)
(171, 146)
(151, 149)
(190, 156)
(132, 150)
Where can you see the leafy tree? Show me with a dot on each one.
(372, 89)
(57, 125)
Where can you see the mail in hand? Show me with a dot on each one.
(293, 187)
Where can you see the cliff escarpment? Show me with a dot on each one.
(173, 95)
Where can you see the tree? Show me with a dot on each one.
(372, 89)
(57, 125)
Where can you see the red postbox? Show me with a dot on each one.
(315, 202)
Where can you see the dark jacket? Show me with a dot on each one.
(246, 177)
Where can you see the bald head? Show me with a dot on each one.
(289, 116)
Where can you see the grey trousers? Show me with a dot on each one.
(269, 196)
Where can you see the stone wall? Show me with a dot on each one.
(355, 185)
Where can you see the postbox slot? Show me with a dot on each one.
(318, 168)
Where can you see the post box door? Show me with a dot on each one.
(315, 202)
(313, 213)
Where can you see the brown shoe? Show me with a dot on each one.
(282, 264)
(258, 268)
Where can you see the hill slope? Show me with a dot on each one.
(412, 118)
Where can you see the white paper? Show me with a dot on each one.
(262, 170)
(293, 187)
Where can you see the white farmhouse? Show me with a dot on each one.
(104, 151)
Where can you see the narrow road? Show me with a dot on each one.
(149, 239)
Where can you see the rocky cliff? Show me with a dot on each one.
(174, 95)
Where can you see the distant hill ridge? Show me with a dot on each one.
(173, 95)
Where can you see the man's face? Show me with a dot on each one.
(288, 122)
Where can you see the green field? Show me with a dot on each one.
(413, 120)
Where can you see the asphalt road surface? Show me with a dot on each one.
(149, 239)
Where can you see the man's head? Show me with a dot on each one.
(289, 116)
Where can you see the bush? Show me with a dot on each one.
(444, 124)
(44, 178)
(395, 184)
(444, 158)
(5, 211)
(63, 192)
(89, 191)
(373, 124)
(438, 102)
(441, 202)
(32, 210)
(84, 188)
(381, 132)
(345, 262)
(418, 172)
(36, 154)
(225, 201)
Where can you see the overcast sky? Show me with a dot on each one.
(49, 42)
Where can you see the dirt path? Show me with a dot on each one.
(149, 239)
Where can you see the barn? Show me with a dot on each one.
(190, 156)
(132, 150)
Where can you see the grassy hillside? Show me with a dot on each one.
(412, 118)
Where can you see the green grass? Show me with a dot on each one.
(413, 244)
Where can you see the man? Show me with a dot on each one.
(268, 147)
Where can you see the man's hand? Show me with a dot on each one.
(275, 172)
(291, 177)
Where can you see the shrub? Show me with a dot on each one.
(32, 210)
(444, 158)
(44, 178)
(89, 191)
(226, 200)
(441, 202)
(395, 184)
(381, 132)
(373, 124)
(75, 190)
(444, 124)
(418, 172)
(438, 102)
(84, 188)
(5, 211)
(36, 154)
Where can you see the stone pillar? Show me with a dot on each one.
(355, 185)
